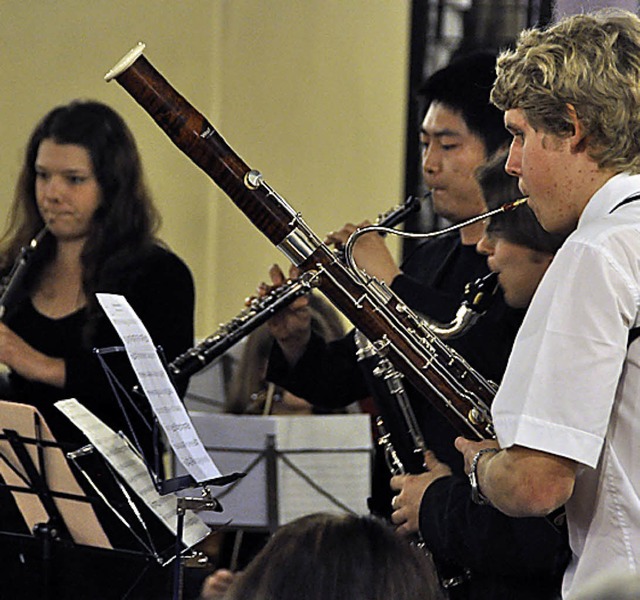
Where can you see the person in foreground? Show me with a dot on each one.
(326, 556)
(566, 412)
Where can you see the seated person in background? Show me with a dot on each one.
(249, 392)
(335, 557)
(519, 250)
(82, 179)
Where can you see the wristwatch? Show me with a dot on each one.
(476, 495)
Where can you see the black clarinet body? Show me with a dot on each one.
(13, 284)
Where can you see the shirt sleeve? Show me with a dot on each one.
(559, 388)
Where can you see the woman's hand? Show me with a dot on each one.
(26, 361)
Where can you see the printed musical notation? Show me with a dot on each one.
(132, 469)
(159, 390)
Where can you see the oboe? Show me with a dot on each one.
(255, 314)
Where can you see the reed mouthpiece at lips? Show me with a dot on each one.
(508, 206)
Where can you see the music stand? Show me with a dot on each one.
(131, 469)
(150, 368)
(36, 472)
(64, 538)
(165, 486)
(49, 499)
(124, 398)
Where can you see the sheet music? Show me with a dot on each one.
(132, 470)
(158, 388)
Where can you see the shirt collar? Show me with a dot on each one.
(617, 188)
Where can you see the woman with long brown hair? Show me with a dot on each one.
(82, 179)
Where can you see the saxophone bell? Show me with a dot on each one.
(477, 298)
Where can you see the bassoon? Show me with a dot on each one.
(441, 375)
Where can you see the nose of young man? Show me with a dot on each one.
(485, 245)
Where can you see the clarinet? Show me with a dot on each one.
(255, 314)
(261, 309)
(12, 283)
(441, 375)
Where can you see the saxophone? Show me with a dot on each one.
(398, 334)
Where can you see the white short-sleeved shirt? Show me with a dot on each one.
(572, 385)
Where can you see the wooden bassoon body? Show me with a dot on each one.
(442, 376)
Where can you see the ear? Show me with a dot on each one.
(578, 139)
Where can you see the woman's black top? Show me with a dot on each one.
(160, 289)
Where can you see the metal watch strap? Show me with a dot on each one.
(476, 494)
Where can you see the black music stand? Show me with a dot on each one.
(55, 528)
(163, 485)
(126, 403)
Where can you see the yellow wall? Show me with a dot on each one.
(310, 93)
